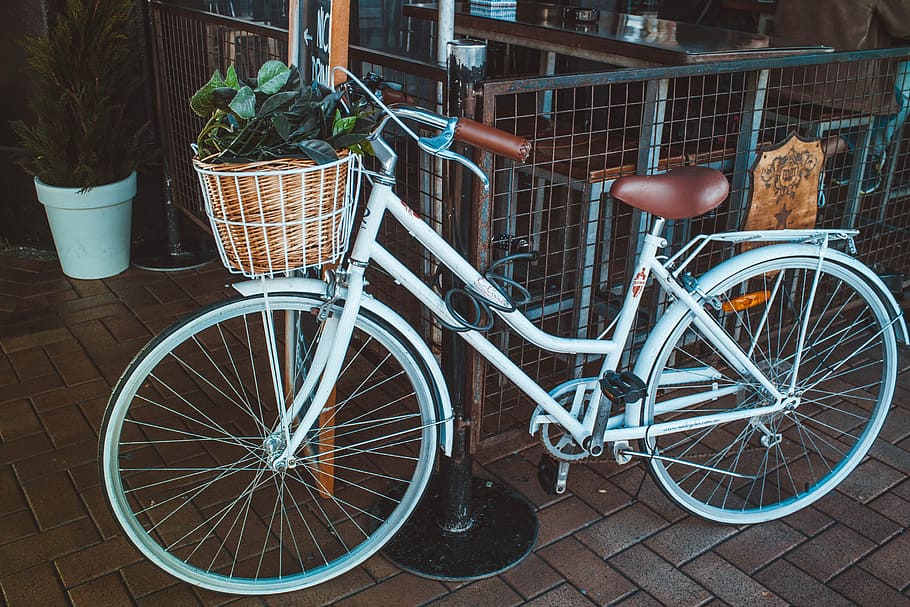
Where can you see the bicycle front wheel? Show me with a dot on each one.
(769, 466)
(193, 425)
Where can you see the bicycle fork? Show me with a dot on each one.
(318, 385)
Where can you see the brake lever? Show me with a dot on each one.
(450, 155)
(439, 146)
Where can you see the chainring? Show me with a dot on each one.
(574, 397)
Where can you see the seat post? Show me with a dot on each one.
(657, 226)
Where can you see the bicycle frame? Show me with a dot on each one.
(366, 250)
(276, 441)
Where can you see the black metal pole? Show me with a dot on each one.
(170, 255)
(466, 68)
(466, 527)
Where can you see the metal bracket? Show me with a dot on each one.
(690, 283)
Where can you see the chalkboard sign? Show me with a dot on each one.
(324, 41)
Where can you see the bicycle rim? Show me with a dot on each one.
(766, 467)
(192, 426)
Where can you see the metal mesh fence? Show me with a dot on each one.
(588, 129)
(189, 45)
(418, 183)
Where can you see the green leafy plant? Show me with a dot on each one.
(276, 116)
(86, 127)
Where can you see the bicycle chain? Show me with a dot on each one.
(600, 458)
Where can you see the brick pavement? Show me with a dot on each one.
(613, 538)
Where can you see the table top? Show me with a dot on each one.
(617, 38)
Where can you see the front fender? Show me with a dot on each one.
(312, 286)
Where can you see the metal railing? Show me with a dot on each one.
(188, 46)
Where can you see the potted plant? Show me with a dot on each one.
(276, 115)
(83, 142)
(274, 159)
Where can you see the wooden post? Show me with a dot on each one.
(341, 25)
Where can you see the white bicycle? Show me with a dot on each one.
(277, 440)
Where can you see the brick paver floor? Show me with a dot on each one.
(613, 538)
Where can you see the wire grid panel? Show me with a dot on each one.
(584, 137)
(288, 215)
(853, 108)
(188, 47)
(590, 129)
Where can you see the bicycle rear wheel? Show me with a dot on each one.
(766, 467)
(192, 425)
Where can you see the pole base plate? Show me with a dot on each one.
(503, 532)
(156, 257)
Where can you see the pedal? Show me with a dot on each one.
(552, 475)
(622, 388)
(595, 443)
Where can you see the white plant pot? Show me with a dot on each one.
(91, 229)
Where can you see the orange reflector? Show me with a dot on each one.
(744, 302)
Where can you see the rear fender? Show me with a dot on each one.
(711, 278)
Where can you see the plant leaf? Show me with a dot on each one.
(328, 104)
(342, 126)
(303, 108)
(244, 103)
(276, 102)
(319, 151)
(365, 148)
(230, 78)
(347, 140)
(273, 75)
(365, 123)
(223, 95)
(282, 126)
(308, 128)
(203, 100)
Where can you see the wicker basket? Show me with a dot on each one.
(278, 216)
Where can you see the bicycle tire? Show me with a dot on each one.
(188, 431)
(845, 384)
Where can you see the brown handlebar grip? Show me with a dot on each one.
(392, 97)
(493, 140)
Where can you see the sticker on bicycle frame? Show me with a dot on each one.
(639, 281)
(409, 210)
(485, 289)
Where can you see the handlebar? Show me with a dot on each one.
(492, 139)
(394, 101)
(470, 132)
